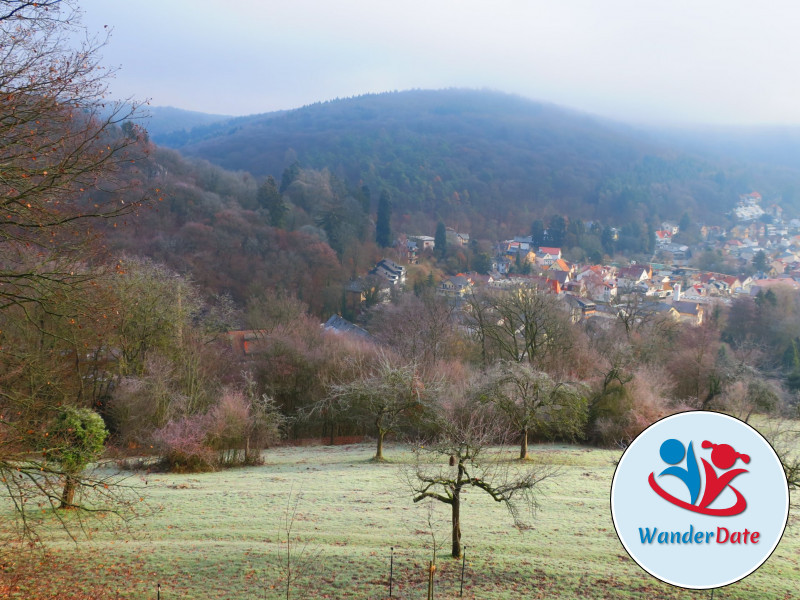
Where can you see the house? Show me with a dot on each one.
(246, 342)
(639, 312)
(599, 282)
(425, 242)
(454, 238)
(689, 312)
(671, 227)
(749, 207)
(562, 277)
(680, 253)
(369, 290)
(577, 288)
(636, 273)
(355, 294)
(580, 309)
(502, 265)
(536, 281)
(663, 237)
(392, 272)
(341, 326)
(560, 265)
(634, 277)
(455, 287)
(411, 252)
(547, 256)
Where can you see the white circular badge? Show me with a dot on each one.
(699, 500)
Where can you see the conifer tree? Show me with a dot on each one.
(440, 241)
(383, 230)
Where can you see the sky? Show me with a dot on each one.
(641, 61)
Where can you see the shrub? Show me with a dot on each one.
(182, 445)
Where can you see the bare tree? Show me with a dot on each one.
(62, 157)
(419, 328)
(61, 150)
(384, 396)
(534, 403)
(464, 442)
(525, 323)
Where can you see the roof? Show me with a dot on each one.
(340, 325)
(633, 272)
(546, 250)
(559, 265)
(687, 308)
(459, 280)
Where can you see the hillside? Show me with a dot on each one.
(483, 160)
(170, 122)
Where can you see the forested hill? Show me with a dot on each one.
(166, 121)
(481, 159)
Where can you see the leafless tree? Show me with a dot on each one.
(419, 328)
(525, 323)
(61, 150)
(534, 403)
(385, 395)
(63, 165)
(463, 456)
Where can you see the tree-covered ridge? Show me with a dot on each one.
(482, 159)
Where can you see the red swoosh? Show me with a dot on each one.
(736, 509)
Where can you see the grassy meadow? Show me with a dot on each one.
(223, 536)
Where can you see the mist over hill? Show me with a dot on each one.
(484, 160)
(163, 121)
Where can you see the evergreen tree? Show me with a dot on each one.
(440, 241)
(651, 239)
(557, 229)
(290, 174)
(270, 199)
(760, 262)
(383, 230)
(537, 233)
(482, 263)
(684, 223)
(365, 196)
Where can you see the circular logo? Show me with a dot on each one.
(699, 500)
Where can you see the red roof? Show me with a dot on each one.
(554, 251)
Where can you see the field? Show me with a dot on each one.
(223, 536)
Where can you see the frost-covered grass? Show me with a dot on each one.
(222, 535)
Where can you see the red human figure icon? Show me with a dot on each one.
(724, 457)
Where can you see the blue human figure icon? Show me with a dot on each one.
(672, 453)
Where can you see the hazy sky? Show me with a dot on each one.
(711, 61)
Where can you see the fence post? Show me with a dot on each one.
(463, 564)
(158, 591)
(391, 571)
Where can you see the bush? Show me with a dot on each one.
(182, 445)
(621, 412)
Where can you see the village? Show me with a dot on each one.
(762, 247)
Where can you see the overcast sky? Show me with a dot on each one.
(692, 61)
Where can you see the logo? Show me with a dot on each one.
(723, 457)
(699, 500)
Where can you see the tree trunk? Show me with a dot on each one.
(379, 451)
(68, 495)
(456, 524)
(523, 449)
